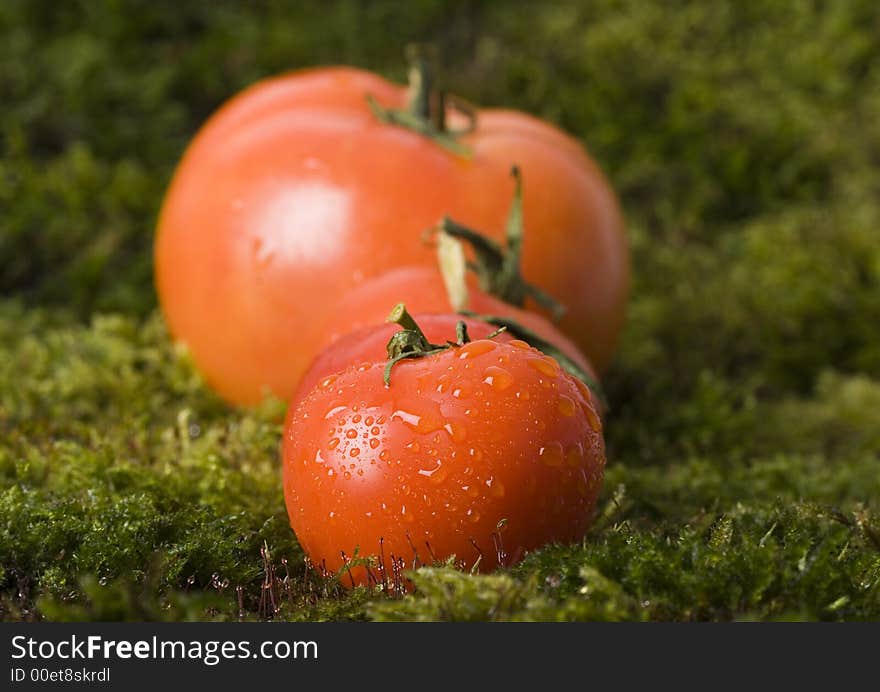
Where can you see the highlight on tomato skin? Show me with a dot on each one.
(294, 194)
(482, 452)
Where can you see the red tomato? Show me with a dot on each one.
(482, 451)
(358, 331)
(368, 344)
(294, 193)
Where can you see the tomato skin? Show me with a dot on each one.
(293, 194)
(489, 438)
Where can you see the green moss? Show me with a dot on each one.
(768, 562)
(743, 440)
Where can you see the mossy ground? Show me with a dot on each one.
(744, 475)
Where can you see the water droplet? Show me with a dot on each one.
(351, 433)
(331, 514)
(333, 411)
(383, 455)
(473, 515)
(331, 472)
(363, 367)
(354, 451)
(461, 392)
(551, 455)
(333, 443)
(346, 476)
(356, 418)
(411, 419)
(327, 381)
(524, 395)
(413, 446)
(518, 343)
(374, 443)
(498, 378)
(593, 418)
(566, 406)
(545, 365)
(475, 453)
(476, 348)
(368, 421)
(430, 472)
(318, 458)
(456, 431)
(574, 455)
(583, 389)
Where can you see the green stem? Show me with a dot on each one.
(425, 111)
(420, 78)
(400, 315)
(498, 268)
(411, 342)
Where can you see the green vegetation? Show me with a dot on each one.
(744, 440)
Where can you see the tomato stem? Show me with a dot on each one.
(411, 342)
(498, 268)
(420, 77)
(400, 315)
(426, 108)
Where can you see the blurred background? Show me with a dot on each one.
(743, 139)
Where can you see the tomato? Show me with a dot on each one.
(482, 451)
(368, 344)
(295, 192)
(357, 333)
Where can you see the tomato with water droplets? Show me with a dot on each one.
(483, 451)
(368, 334)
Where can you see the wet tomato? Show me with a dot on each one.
(297, 191)
(359, 332)
(483, 451)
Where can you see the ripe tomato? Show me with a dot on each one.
(482, 451)
(295, 192)
(358, 331)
